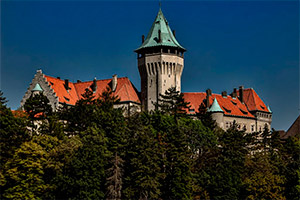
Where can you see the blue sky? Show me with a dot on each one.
(229, 43)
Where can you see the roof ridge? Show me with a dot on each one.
(125, 77)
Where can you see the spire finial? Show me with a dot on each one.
(159, 4)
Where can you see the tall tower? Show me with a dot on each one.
(160, 62)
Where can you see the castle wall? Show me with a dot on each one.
(250, 124)
(47, 90)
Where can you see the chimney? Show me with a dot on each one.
(174, 33)
(114, 82)
(67, 84)
(208, 93)
(58, 77)
(224, 94)
(241, 94)
(234, 93)
(94, 85)
(143, 39)
(78, 81)
(159, 36)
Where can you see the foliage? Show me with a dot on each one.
(172, 103)
(114, 181)
(13, 133)
(38, 106)
(91, 151)
(3, 100)
(24, 173)
(143, 172)
(83, 177)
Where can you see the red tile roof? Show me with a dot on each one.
(19, 113)
(64, 96)
(253, 101)
(230, 105)
(125, 89)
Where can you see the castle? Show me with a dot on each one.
(160, 63)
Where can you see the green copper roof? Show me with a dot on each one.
(269, 109)
(37, 88)
(167, 37)
(215, 107)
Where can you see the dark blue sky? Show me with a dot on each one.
(229, 43)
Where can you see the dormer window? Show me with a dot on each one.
(243, 111)
(234, 103)
(227, 110)
(67, 99)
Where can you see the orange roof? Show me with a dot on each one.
(19, 113)
(230, 106)
(64, 96)
(125, 89)
(253, 101)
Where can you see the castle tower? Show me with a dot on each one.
(160, 62)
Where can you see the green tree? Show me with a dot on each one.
(225, 173)
(3, 100)
(24, 173)
(143, 173)
(172, 103)
(292, 172)
(176, 162)
(262, 179)
(38, 107)
(84, 176)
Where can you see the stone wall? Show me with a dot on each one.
(159, 72)
(47, 90)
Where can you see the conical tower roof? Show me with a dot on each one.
(161, 25)
(269, 109)
(215, 107)
(37, 88)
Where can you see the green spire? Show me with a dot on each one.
(269, 109)
(37, 88)
(160, 27)
(215, 107)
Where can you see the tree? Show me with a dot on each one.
(262, 179)
(143, 173)
(227, 168)
(13, 133)
(3, 100)
(172, 102)
(114, 181)
(24, 173)
(176, 162)
(38, 107)
(84, 176)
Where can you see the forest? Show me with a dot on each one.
(92, 151)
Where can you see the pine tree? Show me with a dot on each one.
(114, 181)
(3, 100)
(38, 107)
(84, 176)
(172, 103)
(142, 174)
(227, 167)
(176, 163)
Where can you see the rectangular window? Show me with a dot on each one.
(252, 128)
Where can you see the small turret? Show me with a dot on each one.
(217, 113)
